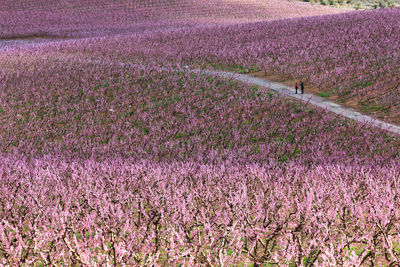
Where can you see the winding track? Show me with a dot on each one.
(267, 84)
(310, 98)
(10, 44)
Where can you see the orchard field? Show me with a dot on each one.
(352, 58)
(74, 18)
(113, 154)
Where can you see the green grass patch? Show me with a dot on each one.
(323, 94)
(362, 84)
(372, 106)
(327, 93)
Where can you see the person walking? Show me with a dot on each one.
(302, 87)
(296, 87)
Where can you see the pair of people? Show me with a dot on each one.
(301, 87)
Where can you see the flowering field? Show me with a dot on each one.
(134, 165)
(103, 110)
(352, 58)
(75, 18)
(145, 213)
(107, 164)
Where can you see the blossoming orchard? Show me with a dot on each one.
(120, 147)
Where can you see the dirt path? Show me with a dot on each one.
(6, 44)
(310, 98)
(30, 41)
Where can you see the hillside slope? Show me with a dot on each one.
(352, 58)
(110, 164)
(72, 18)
